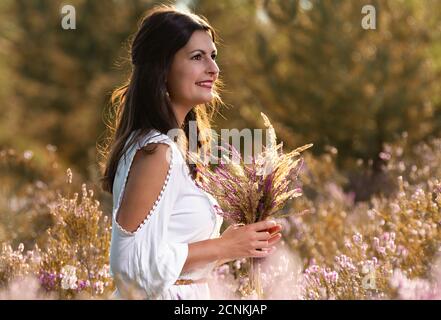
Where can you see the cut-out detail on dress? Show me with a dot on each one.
(158, 139)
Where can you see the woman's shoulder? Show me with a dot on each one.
(140, 140)
(151, 136)
(173, 154)
(155, 136)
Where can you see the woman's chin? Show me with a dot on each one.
(204, 99)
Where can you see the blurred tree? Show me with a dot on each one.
(235, 33)
(237, 23)
(343, 85)
(322, 78)
(63, 78)
(308, 64)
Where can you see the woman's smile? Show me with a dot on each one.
(205, 84)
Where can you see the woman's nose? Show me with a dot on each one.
(213, 68)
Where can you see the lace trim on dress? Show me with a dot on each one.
(129, 233)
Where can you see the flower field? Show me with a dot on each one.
(55, 233)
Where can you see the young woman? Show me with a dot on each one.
(165, 233)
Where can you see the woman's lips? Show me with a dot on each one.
(205, 84)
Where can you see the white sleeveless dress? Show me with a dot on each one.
(152, 257)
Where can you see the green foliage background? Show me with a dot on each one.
(309, 65)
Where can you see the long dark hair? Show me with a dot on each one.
(142, 103)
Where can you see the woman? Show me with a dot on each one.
(165, 235)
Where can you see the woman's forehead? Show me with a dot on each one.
(200, 40)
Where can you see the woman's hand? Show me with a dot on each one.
(255, 240)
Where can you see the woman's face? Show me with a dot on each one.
(191, 65)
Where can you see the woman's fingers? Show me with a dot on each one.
(267, 225)
(263, 235)
(274, 239)
(275, 229)
(268, 233)
(268, 242)
(263, 225)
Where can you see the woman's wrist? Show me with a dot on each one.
(220, 249)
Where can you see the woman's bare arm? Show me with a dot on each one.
(144, 183)
(204, 252)
(233, 245)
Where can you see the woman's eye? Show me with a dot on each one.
(199, 56)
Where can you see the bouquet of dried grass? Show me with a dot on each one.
(248, 193)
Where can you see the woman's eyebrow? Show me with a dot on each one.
(203, 52)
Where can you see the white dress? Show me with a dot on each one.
(152, 257)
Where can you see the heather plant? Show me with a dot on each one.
(72, 259)
(76, 254)
(417, 288)
(17, 263)
(351, 250)
(25, 288)
(30, 181)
